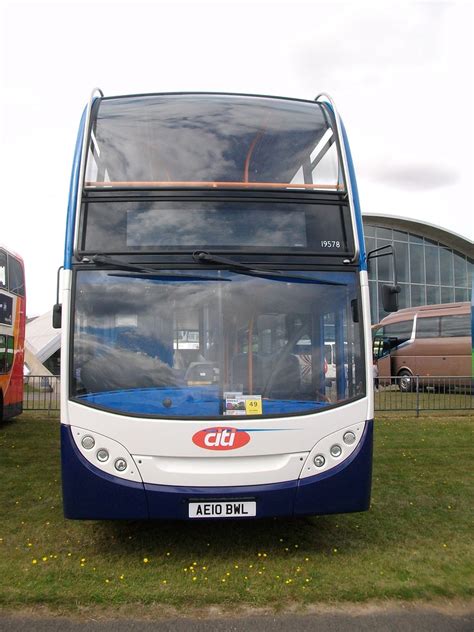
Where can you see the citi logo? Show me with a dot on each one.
(221, 438)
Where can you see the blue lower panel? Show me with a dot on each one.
(91, 494)
(172, 502)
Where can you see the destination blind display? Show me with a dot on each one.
(187, 225)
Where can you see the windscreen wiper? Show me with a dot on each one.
(138, 271)
(203, 256)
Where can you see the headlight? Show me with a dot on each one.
(88, 442)
(335, 450)
(102, 455)
(120, 465)
(319, 460)
(349, 437)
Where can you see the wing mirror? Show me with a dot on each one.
(389, 292)
(58, 308)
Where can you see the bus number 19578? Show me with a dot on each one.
(330, 244)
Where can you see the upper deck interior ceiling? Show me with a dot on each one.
(212, 138)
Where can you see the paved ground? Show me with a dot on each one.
(397, 620)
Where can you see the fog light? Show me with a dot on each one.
(319, 460)
(102, 455)
(349, 437)
(335, 450)
(120, 465)
(88, 442)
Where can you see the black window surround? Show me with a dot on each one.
(242, 223)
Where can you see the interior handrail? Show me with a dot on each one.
(209, 184)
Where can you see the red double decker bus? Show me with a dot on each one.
(12, 333)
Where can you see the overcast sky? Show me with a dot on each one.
(400, 73)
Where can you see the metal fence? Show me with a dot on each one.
(41, 392)
(424, 393)
(397, 393)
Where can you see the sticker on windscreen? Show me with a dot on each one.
(239, 404)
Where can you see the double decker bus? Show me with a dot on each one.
(214, 247)
(12, 333)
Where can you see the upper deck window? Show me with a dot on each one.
(218, 141)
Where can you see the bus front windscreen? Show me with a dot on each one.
(213, 344)
(217, 141)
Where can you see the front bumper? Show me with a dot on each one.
(89, 493)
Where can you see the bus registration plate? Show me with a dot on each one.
(224, 509)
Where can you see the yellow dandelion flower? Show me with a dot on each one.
(34, 561)
(145, 560)
(194, 579)
(44, 558)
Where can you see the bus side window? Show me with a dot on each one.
(3, 269)
(16, 278)
(3, 353)
(379, 344)
(10, 353)
(427, 327)
(455, 326)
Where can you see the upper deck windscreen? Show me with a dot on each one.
(219, 141)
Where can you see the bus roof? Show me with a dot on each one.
(12, 253)
(440, 309)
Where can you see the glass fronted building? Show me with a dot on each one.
(433, 265)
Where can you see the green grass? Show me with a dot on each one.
(415, 542)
